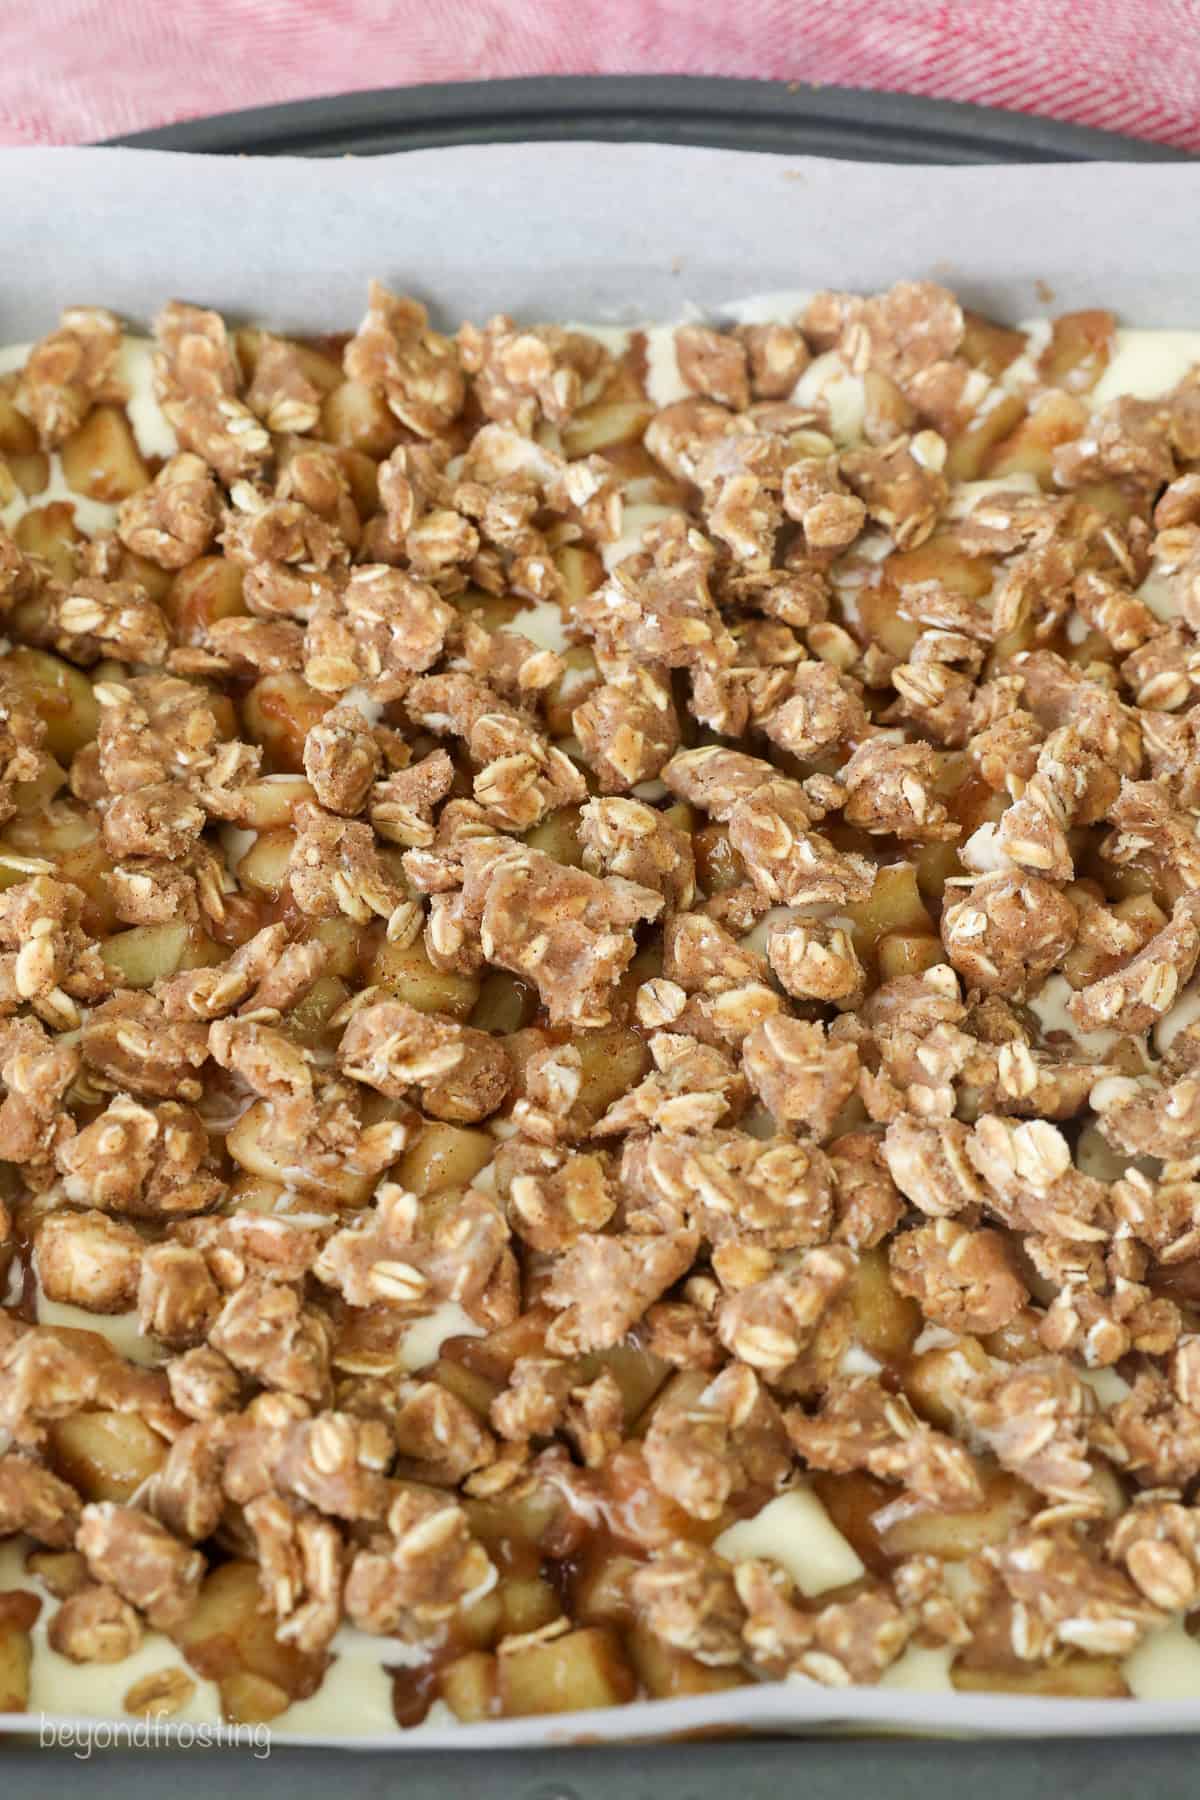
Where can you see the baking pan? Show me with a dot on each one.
(748, 115)
(789, 117)
(752, 1769)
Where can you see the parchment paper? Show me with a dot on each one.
(610, 231)
(605, 232)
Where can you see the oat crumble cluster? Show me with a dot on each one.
(686, 911)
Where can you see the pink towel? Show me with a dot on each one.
(75, 70)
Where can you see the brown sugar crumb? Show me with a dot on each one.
(197, 380)
(375, 630)
(1008, 932)
(1065, 1597)
(840, 1644)
(177, 1297)
(602, 1285)
(521, 776)
(1156, 1543)
(282, 394)
(817, 961)
(772, 1193)
(1035, 1418)
(461, 1074)
(130, 1043)
(408, 1581)
(1133, 998)
(801, 1078)
(728, 1438)
(414, 369)
(626, 838)
(890, 790)
(95, 1626)
(342, 759)
(694, 1086)
(553, 1195)
(861, 1426)
(142, 1161)
(521, 376)
(627, 727)
(44, 1379)
(659, 608)
(770, 1322)
(688, 1599)
(85, 1259)
(267, 1332)
(963, 1279)
(335, 868)
(265, 1059)
(411, 1256)
(901, 485)
(176, 518)
(66, 372)
(35, 1500)
(564, 930)
(148, 1568)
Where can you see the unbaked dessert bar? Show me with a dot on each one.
(598, 1011)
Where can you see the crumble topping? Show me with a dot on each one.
(590, 977)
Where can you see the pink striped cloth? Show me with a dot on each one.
(76, 70)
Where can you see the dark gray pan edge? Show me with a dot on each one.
(790, 118)
(1109, 1770)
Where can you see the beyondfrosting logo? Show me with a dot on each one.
(82, 1736)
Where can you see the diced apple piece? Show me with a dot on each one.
(907, 953)
(228, 1633)
(668, 1674)
(147, 953)
(264, 867)
(106, 1455)
(505, 1004)
(894, 904)
(467, 1385)
(61, 695)
(202, 592)
(470, 1687)
(249, 1699)
(886, 1323)
(558, 837)
(955, 1536)
(102, 459)
(278, 713)
(51, 533)
(604, 424)
(1084, 1678)
(1055, 419)
(64, 1572)
(16, 1657)
(406, 972)
(989, 346)
(969, 452)
(271, 801)
(527, 1602)
(1081, 344)
(443, 1156)
(942, 559)
(355, 417)
(573, 1673)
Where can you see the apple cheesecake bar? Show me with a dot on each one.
(599, 1030)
